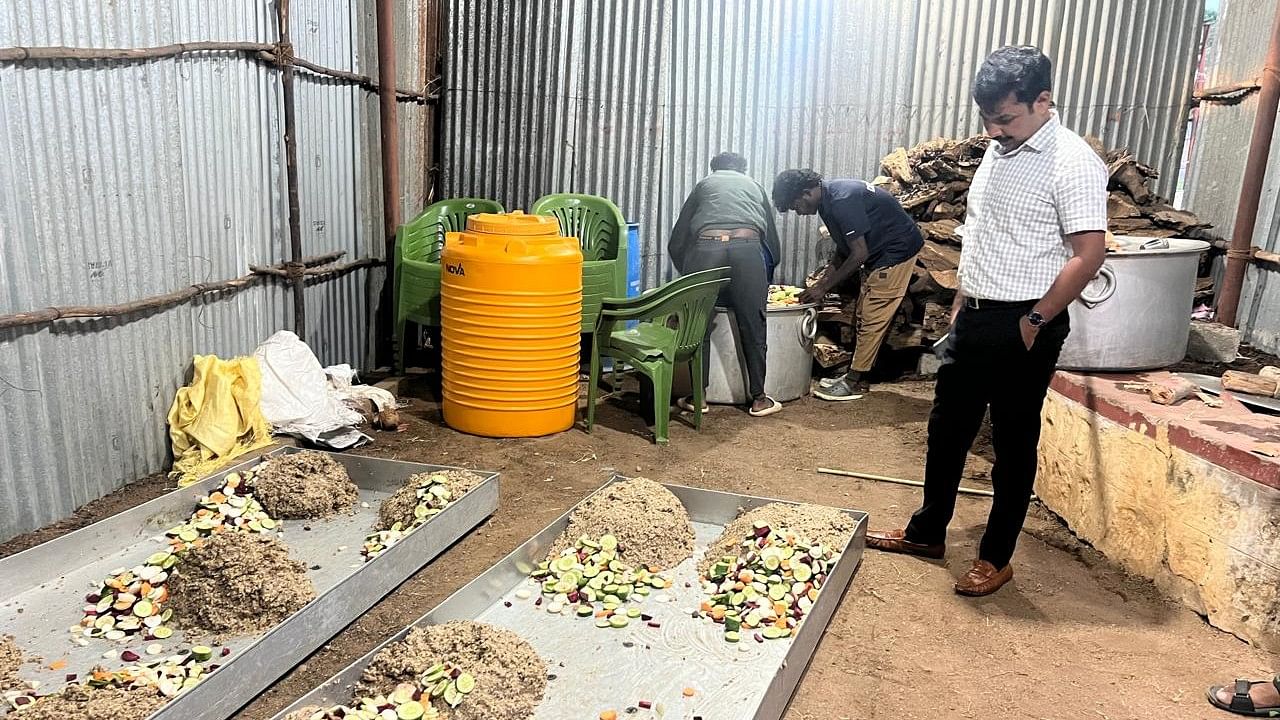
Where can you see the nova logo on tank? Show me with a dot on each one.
(455, 269)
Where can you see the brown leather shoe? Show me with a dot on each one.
(895, 541)
(983, 579)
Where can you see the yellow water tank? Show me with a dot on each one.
(510, 313)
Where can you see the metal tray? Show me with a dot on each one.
(44, 588)
(597, 669)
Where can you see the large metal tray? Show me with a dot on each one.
(597, 669)
(44, 587)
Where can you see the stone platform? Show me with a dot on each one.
(1187, 496)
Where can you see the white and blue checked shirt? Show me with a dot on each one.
(1021, 205)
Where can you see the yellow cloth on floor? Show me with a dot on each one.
(217, 417)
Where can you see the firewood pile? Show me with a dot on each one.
(931, 181)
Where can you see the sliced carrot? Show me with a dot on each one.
(688, 692)
(739, 586)
(164, 595)
(786, 564)
(706, 606)
(718, 613)
(218, 497)
(780, 609)
(58, 664)
(609, 715)
(780, 623)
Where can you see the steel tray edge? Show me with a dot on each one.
(704, 506)
(253, 669)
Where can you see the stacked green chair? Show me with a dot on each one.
(417, 262)
(602, 232)
(671, 324)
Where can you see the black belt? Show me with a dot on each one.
(973, 303)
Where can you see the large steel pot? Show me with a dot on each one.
(788, 365)
(1136, 314)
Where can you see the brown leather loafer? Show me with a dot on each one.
(895, 541)
(983, 579)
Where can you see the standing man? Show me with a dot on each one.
(1037, 215)
(727, 221)
(873, 234)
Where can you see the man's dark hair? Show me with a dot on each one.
(729, 161)
(1022, 70)
(791, 184)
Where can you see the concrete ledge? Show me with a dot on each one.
(1185, 496)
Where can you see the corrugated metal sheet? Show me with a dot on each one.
(120, 181)
(630, 100)
(1220, 148)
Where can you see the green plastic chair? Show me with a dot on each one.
(419, 243)
(602, 232)
(671, 326)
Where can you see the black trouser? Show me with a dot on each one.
(985, 363)
(746, 293)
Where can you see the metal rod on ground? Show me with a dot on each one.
(390, 135)
(902, 481)
(295, 268)
(1255, 172)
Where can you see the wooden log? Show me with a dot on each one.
(936, 256)
(830, 355)
(1134, 182)
(898, 166)
(1120, 205)
(1177, 219)
(1251, 383)
(1167, 391)
(941, 230)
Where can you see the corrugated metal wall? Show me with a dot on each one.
(1221, 146)
(123, 180)
(630, 99)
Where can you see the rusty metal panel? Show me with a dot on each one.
(630, 100)
(120, 181)
(1220, 147)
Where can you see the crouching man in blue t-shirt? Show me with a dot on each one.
(874, 235)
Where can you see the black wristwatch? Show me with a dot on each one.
(1036, 319)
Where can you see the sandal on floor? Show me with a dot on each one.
(1241, 703)
(686, 404)
(772, 408)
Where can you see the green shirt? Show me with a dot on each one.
(724, 200)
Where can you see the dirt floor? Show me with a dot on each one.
(1072, 637)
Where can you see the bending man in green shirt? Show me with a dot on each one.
(728, 221)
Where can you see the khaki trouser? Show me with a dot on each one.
(882, 293)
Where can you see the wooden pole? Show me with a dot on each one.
(261, 51)
(160, 302)
(284, 54)
(390, 137)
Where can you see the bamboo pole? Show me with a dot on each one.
(900, 481)
(160, 302)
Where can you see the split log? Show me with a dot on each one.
(1251, 383)
(941, 231)
(830, 355)
(1120, 205)
(896, 165)
(1167, 391)
(936, 256)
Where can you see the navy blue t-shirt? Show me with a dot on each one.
(850, 208)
